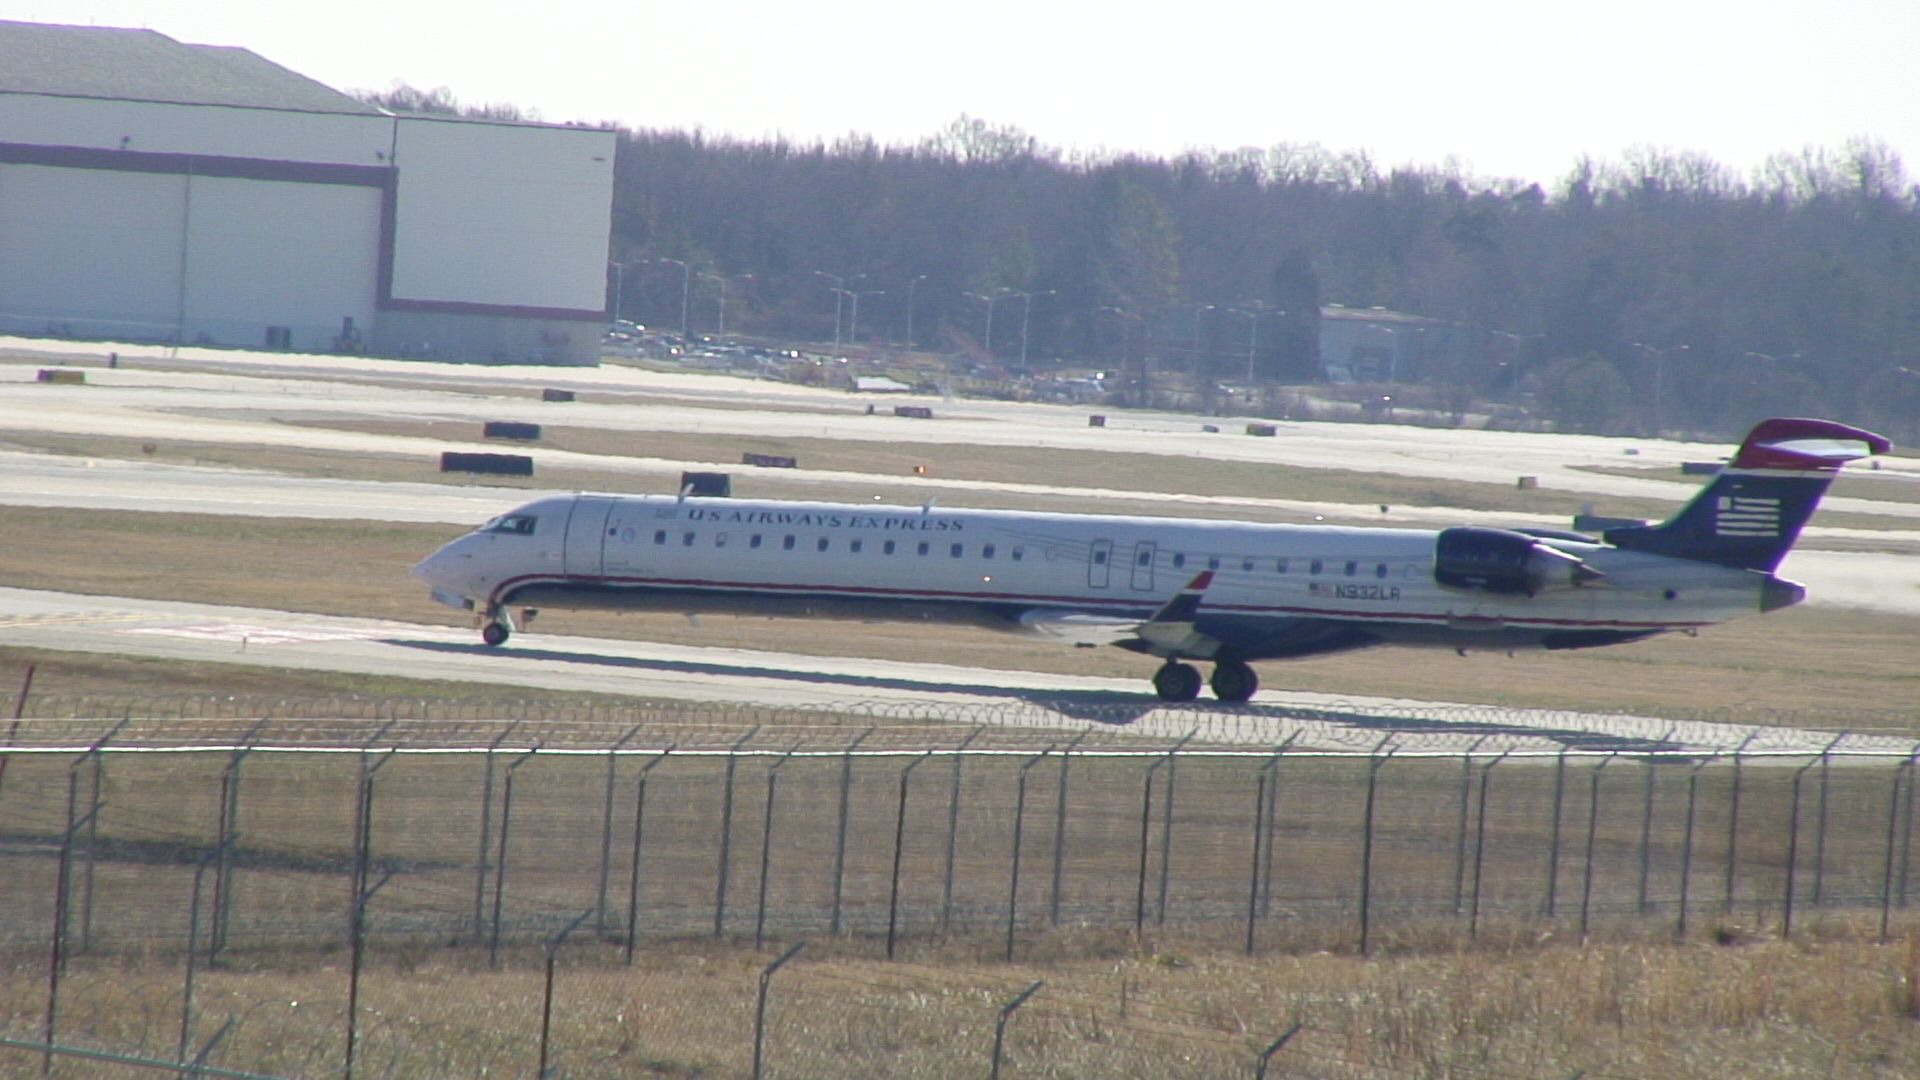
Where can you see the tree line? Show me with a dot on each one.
(1661, 290)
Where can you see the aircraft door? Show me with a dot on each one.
(1143, 565)
(1100, 564)
(586, 535)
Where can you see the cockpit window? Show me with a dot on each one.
(518, 524)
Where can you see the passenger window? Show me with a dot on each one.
(1352, 567)
(1280, 566)
(821, 544)
(1246, 564)
(1380, 571)
(1018, 552)
(1213, 563)
(854, 546)
(787, 543)
(1141, 559)
(887, 548)
(957, 549)
(686, 539)
(1179, 560)
(986, 552)
(755, 542)
(925, 547)
(659, 536)
(1313, 567)
(719, 540)
(1099, 558)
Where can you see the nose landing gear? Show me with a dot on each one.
(497, 625)
(1233, 681)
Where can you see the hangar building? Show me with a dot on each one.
(152, 190)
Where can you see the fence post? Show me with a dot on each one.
(1553, 841)
(1820, 828)
(1019, 821)
(760, 1004)
(1253, 875)
(1460, 829)
(223, 870)
(546, 1000)
(1260, 1070)
(726, 834)
(193, 947)
(840, 843)
(1166, 827)
(1646, 822)
(1273, 814)
(766, 847)
(1906, 837)
(97, 776)
(633, 871)
(1793, 848)
(899, 842)
(55, 960)
(500, 859)
(1000, 1024)
(1480, 841)
(953, 830)
(356, 953)
(1733, 826)
(486, 828)
(1593, 826)
(1686, 847)
(606, 832)
(1060, 828)
(1366, 843)
(1902, 772)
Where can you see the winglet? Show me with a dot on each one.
(1805, 445)
(1182, 606)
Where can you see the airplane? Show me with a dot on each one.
(1229, 593)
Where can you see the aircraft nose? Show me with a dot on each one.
(1776, 593)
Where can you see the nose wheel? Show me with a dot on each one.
(495, 633)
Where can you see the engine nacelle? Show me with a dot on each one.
(1505, 562)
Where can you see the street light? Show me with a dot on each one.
(1198, 311)
(1659, 381)
(721, 329)
(686, 292)
(839, 289)
(1253, 338)
(912, 282)
(1026, 317)
(987, 341)
(853, 317)
(1127, 319)
(619, 288)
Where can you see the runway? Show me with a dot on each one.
(653, 670)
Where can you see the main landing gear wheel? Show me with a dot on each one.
(495, 633)
(1176, 682)
(1234, 682)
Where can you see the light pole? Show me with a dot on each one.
(1026, 318)
(853, 317)
(839, 289)
(1253, 338)
(721, 328)
(686, 291)
(987, 341)
(1127, 318)
(619, 287)
(912, 282)
(1198, 311)
(1660, 381)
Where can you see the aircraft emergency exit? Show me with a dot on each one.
(1229, 593)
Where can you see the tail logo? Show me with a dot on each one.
(1746, 516)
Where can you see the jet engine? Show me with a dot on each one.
(1505, 562)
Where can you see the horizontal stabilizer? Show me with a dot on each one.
(1806, 445)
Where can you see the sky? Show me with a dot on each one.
(1516, 89)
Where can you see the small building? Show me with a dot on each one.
(152, 190)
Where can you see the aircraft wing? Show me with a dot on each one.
(1168, 632)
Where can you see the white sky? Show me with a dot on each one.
(1511, 88)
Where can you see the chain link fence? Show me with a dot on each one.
(411, 889)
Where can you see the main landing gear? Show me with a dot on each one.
(1233, 681)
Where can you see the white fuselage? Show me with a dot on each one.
(1275, 590)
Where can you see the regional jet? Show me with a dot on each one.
(1228, 593)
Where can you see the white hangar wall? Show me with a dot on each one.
(153, 221)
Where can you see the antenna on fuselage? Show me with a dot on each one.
(927, 507)
(685, 490)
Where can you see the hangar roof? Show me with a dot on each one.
(142, 65)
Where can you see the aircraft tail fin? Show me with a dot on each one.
(1752, 511)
